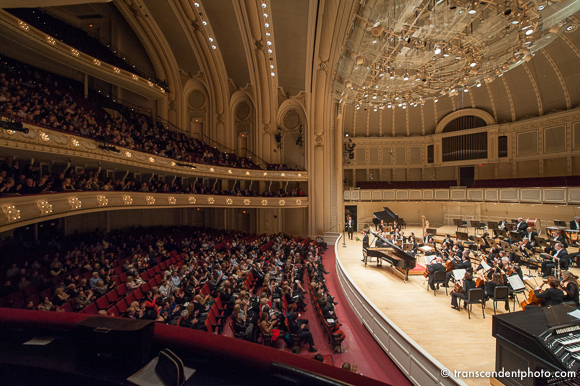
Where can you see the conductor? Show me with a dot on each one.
(349, 226)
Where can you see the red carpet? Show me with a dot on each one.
(359, 346)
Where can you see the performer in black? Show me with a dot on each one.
(365, 241)
(349, 226)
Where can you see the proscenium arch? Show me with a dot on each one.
(489, 120)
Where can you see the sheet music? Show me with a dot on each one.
(429, 258)
(516, 283)
(485, 266)
(459, 273)
(575, 314)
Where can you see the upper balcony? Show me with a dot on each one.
(56, 143)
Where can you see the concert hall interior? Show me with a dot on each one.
(265, 185)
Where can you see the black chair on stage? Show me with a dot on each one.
(501, 294)
(475, 296)
(438, 279)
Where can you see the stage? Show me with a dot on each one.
(457, 342)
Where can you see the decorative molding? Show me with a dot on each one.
(17, 211)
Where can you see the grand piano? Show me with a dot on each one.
(388, 216)
(391, 253)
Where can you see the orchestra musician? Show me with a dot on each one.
(381, 226)
(349, 226)
(489, 287)
(435, 266)
(412, 240)
(570, 286)
(365, 239)
(559, 257)
(522, 226)
(553, 295)
(531, 235)
(428, 239)
(396, 226)
(447, 239)
(458, 263)
(502, 224)
(575, 224)
(467, 284)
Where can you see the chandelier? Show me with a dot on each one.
(400, 53)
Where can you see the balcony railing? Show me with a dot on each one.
(49, 141)
(538, 195)
(16, 211)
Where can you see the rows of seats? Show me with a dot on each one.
(34, 96)
(75, 37)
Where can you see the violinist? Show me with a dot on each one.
(435, 266)
(465, 285)
(570, 286)
(496, 281)
(553, 295)
(463, 263)
(559, 258)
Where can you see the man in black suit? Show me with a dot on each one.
(575, 224)
(560, 256)
(522, 226)
(349, 226)
(365, 239)
(552, 296)
(435, 267)
(531, 235)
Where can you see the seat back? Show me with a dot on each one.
(501, 292)
(475, 295)
(439, 276)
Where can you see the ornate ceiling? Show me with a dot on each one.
(385, 37)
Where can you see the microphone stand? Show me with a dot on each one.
(343, 236)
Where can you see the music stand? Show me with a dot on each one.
(515, 236)
(560, 223)
(494, 225)
(517, 285)
(463, 236)
(459, 274)
(502, 233)
(459, 223)
(432, 231)
(407, 247)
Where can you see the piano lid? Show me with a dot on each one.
(386, 215)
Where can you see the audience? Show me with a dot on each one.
(31, 95)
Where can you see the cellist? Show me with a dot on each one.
(553, 295)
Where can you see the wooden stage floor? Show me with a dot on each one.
(457, 342)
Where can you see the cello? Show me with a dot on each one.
(532, 299)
